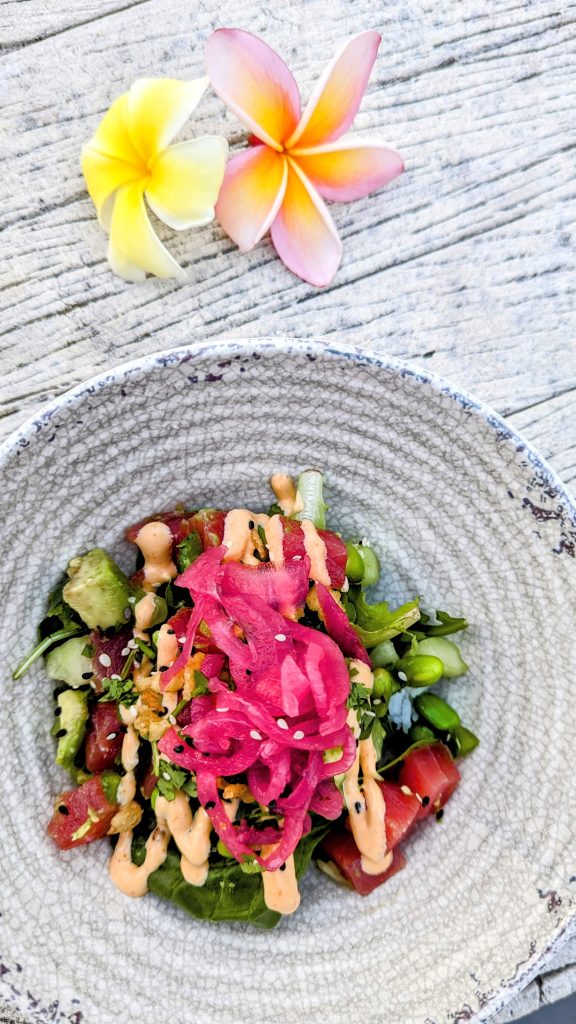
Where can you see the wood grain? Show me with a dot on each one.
(465, 265)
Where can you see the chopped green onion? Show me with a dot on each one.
(145, 648)
(371, 565)
(354, 563)
(466, 741)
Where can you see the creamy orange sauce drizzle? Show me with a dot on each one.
(366, 805)
(143, 615)
(155, 542)
(131, 879)
(275, 540)
(167, 647)
(238, 535)
(284, 488)
(129, 757)
(316, 551)
(281, 887)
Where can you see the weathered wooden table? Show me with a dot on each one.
(464, 265)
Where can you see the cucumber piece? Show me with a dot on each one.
(447, 651)
(67, 664)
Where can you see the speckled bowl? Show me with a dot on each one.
(463, 511)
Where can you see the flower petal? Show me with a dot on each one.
(349, 170)
(104, 174)
(335, 101)
(255, 83)
(304, 233)
(185, 181)
(134, 247)
(157, 109)
(253, 190)
(112, 137)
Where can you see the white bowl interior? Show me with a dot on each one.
(462, 513)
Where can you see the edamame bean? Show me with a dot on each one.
(354, 564)
(421, 669)
(437, 712)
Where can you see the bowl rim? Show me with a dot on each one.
(363, 354)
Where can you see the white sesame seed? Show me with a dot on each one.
(111, 735)
(166, 775)
(133, 711)
(299, 735)
(132, 645)
(127, 613)
(227, 543)
(377, 701)
(282, 723)
(115, 676)
(255, 734)
(345, 586)
(370, 714)
(131, 600)
(280, 636)
(296, 558)
(403, 677)
(105, 660)
(406, 790)
(172, 719)
(222, 709)
(125, 651)
(181, 639)
(365, 542)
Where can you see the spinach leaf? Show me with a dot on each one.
(229, 894)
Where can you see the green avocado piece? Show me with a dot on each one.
(99, 591)
(68, 664)
(70, 725)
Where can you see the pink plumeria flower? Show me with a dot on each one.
(280, 182)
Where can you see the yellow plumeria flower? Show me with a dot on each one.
(130, 157)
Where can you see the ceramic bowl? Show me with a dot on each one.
(463, 511)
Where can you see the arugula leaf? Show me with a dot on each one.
(120, 690)
(448, 624)
(40, 648)
(188, 551)
(375, 623)
(275, 510)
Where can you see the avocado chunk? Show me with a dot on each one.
(70, 725)
(68, 664)
(99, 591)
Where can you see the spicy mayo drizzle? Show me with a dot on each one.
(366, 805)
(281, 887)
(155, 542)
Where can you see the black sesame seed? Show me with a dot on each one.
(210, 805)
(439, 815)
(251, 524)
(60, 733)
(425, 801)
(87, 675)
(178, 749)
(170, 632)
(57, 711)
(163, 668)
(272, 805)
(205, 753)
(63, 809)
(189, 741)
(358, 807)
(282, 867)
(248, 671)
